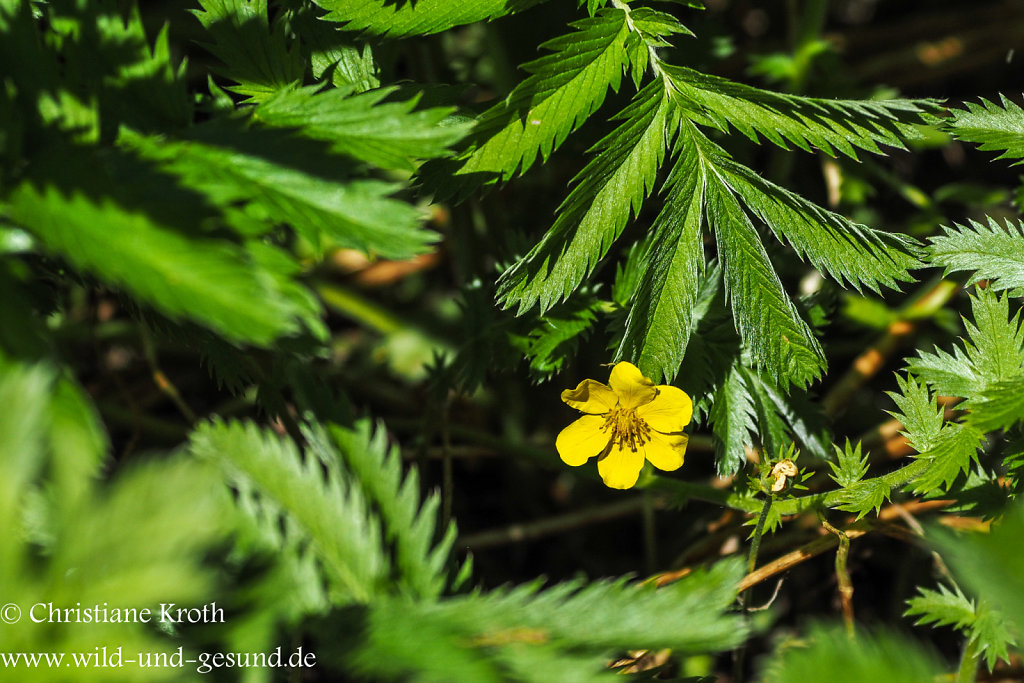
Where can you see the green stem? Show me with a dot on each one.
(359, 308)
(842, 574)
(968, 671)
(755, 546)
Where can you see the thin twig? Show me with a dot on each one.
(842, 574)
(818, 546)
(517, 533)
(161, 380)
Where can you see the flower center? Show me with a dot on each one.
(627, 428)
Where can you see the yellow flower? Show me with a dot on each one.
(626, 423)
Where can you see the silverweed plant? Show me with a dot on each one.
(290, 290)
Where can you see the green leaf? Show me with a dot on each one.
(994, 252)
(409, 525)
(991, 126)
(25, 391)
(941, 608)
(852, 465)
(994, 352)
(661, 317)
(654, 26)
(829, 654)
(798, 411)
(988, 627)
(386, 134)
(260, 59)
(838, 247)
(564, 88)
(918, 411)
(732, 419)
(611, 187)
(422, 17)
(554, 338)
(829, 125)
(311, 492)
(991, 564)
(136, 538)
(207, 280)
(147, 91)
(291, 181)
(952, 453)
(998, 406)
(346, 64)
(778, 338)
(864, 496)
(995, 634)
(477, 636)
(614, 614)
(78, 442)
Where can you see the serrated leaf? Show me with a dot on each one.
(800, 414)
(346, 64)
(999, 405)
(838, 247)
(993, 252)
(941, 608)
(732, 421)
(992, 567)
(661, 317)
(386, 134)
(207, 280)
(291, 182)
(987, 627)
(553, 340)
(610, 188)
(422, 17)
(654, 26)
(994, 352)
(953, 452)
(689, 615)
(310, 492)
(409, 523)
(564, 88)
(995, 634)
(864, 496)
(918, 411)
(568, 630)
(260, 59)
(778, 338)
(831, 655)
(991, 126)
(851, 465)
(832, 126)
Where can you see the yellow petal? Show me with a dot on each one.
(670, 410)
(631, 386)
(582, 440)
(591, 397)
(666, 451)
(621, 467)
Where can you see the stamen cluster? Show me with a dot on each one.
(627, 428)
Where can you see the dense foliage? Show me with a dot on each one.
(288, 289)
